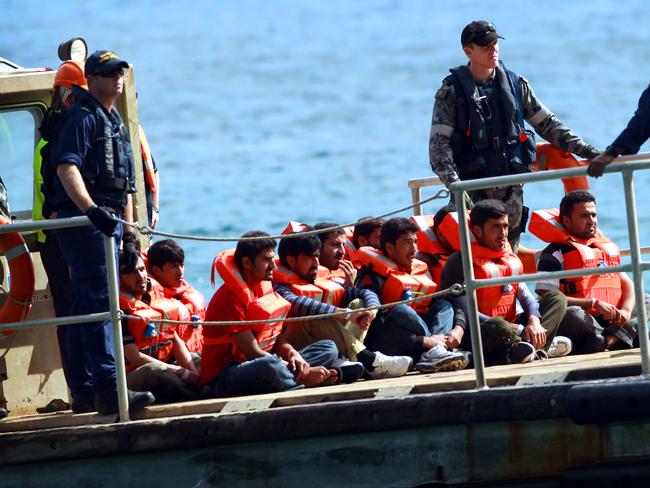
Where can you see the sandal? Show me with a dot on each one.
(56, 405)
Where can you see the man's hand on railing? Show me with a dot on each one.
(597, 165)
(102, 218)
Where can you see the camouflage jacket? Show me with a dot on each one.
(545, 123)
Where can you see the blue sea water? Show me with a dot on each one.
(263, 112)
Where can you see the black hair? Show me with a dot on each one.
(163, 252)
(441, 214)
(295, 246)
(252, 249)
(364, 227)
(485, 210)
(323, 236)
(392, 229)
(122, 260)
(571, 198)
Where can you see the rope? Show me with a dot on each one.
(145, 229)
(455, 289)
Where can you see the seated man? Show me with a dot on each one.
(249, 359)
(296, 279)
(433, 247)
(425, 329)
(332, 253)
(503, 326)
(366, 232)
(166, 261)
(157, 359)
(601, 312)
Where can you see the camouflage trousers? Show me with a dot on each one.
(513, 199)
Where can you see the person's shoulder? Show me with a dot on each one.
(223, 301)
(446, 91)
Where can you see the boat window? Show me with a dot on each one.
(18, 130)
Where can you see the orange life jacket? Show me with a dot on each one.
(294, 226)
(595, 252)
(551, 157)
(193, 300)
(427, 239)
(399, 284)
(147, 161)
(155, 340)
(261, 303)
(350, 249)
(495, 301)
(322, 289)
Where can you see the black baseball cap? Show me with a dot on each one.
(479, 32)
(103, 62)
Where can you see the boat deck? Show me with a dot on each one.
(553, 371)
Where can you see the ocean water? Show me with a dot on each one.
(263, 112)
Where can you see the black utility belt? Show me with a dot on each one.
(113, 183)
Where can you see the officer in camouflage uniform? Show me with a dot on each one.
(478, 130)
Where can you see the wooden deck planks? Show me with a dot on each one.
(537, 372)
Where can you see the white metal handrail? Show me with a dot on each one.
(632, 163)
(113, 314)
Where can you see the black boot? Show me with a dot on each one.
(106, 400)
(83, 402)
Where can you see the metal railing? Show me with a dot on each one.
(113, 314)
(637, 267)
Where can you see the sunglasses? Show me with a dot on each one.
(112, 73)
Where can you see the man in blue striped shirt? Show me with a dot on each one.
(297, 280)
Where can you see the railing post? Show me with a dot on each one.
(470, 290)
(635, 254)
(114, 302)
(416, 195)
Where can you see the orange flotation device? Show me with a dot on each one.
(261, 303)
(399, 284)
(21, 268)
(427, 240)
(595, 252)
(323, 289)
(551, 157)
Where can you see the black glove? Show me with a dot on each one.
(102, 218)
(129, 252)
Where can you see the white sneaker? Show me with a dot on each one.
(560, 346)
(439, 359)
(389, 366)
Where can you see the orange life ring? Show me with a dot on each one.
(19, 300)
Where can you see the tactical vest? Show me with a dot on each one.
(107, 169)
(489, 137)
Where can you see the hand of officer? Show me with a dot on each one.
(102, 218)
(131, 253)
(597, 165)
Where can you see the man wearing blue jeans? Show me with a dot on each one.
(249, 359)
(431, 335)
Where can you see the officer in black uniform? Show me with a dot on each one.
(93, 163)
(630, 140)
(478, 130)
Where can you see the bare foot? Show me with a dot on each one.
(319, 375)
